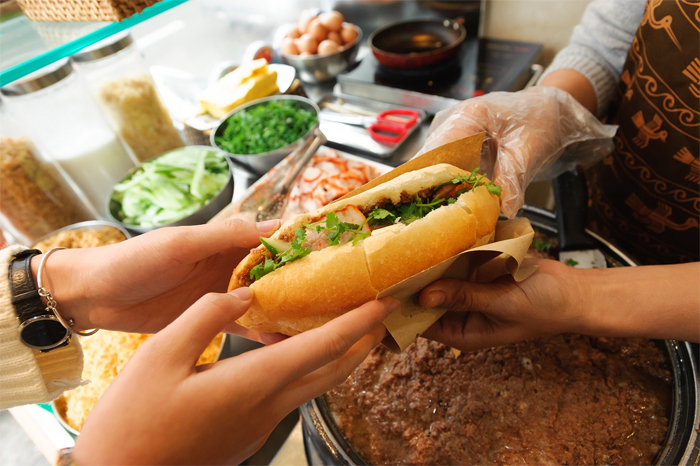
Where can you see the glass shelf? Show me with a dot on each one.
(26, 46)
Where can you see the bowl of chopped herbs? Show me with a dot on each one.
(185, 186)
(261, 133)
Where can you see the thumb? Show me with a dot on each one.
(190, 333)
(457, 295)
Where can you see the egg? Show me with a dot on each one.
(289, 46)
(304, 19)
(335, 37)
(348, 33)
(327, 47)
(293, 33)
(317, 30)
(307, 43)
(332, 20)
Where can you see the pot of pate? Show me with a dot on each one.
(567, 399)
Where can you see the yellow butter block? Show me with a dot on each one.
(247, 82)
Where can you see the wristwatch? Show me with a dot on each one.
(39, 328)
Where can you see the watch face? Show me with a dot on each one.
(43, 333)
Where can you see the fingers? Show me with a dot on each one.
(474, 331)
(457, 295)
(198, 242)
(189, 334)
(297, 356)
(331, 375)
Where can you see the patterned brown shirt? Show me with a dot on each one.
(645, 197)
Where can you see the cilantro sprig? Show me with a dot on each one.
(336, 228)
(572, 263)
(279, 258)
(541, 245)
(473, 180)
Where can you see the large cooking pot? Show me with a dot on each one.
(325, 445)
(417, 43)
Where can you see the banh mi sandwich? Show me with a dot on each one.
(321, 264)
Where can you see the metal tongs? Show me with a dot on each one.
(270, 200)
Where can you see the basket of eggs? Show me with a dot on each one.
(320, 45)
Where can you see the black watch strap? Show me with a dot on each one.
(39, 329)
(25, 296)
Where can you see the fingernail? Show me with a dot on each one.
(435, 298)
(267, 225)
(243, 293)
(390, 303)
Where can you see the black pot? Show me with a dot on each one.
(325, 445)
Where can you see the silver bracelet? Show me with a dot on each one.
(51, 303)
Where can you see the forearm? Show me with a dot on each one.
(650, 301)
(575, 84)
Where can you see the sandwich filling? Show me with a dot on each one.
(353, 224)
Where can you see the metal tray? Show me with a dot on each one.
(356, 138)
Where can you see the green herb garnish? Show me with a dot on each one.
(336, 228)
(474, 179)
(444, 195)
(295, 251)
(265, 127)
(541, 245)
(571, 263)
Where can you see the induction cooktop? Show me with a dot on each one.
(482, 65)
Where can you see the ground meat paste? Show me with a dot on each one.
(568, 399)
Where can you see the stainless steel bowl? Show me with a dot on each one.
(58, 406)
(203, 215)
(324, 444)
(87, 225)
(263, 162)
(315, 68)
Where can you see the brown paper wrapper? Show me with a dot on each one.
(483, 264)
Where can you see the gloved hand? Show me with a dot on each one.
(537, 133)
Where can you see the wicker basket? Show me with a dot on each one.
(82, 10)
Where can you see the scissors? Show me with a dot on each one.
(389, 126)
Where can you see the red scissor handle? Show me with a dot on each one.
(404, 117)
(383, 130)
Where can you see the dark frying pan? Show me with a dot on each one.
(417, 43)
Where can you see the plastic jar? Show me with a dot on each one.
(35, 199)
(119, 79)
(62, 119)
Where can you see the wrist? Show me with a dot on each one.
(62, 280)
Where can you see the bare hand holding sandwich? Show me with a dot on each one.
(162, 409)
(619, 302)
(143, 284)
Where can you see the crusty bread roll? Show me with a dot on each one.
(311, 291)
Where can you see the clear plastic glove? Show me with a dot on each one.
(534, 134)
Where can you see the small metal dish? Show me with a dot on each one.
(263, 162)
(316, 68)
(87, 225)
(58, 406)
(203, 215)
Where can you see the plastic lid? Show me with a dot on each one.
(104, 48)
(40, 79)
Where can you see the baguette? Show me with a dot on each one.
(326, 283)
